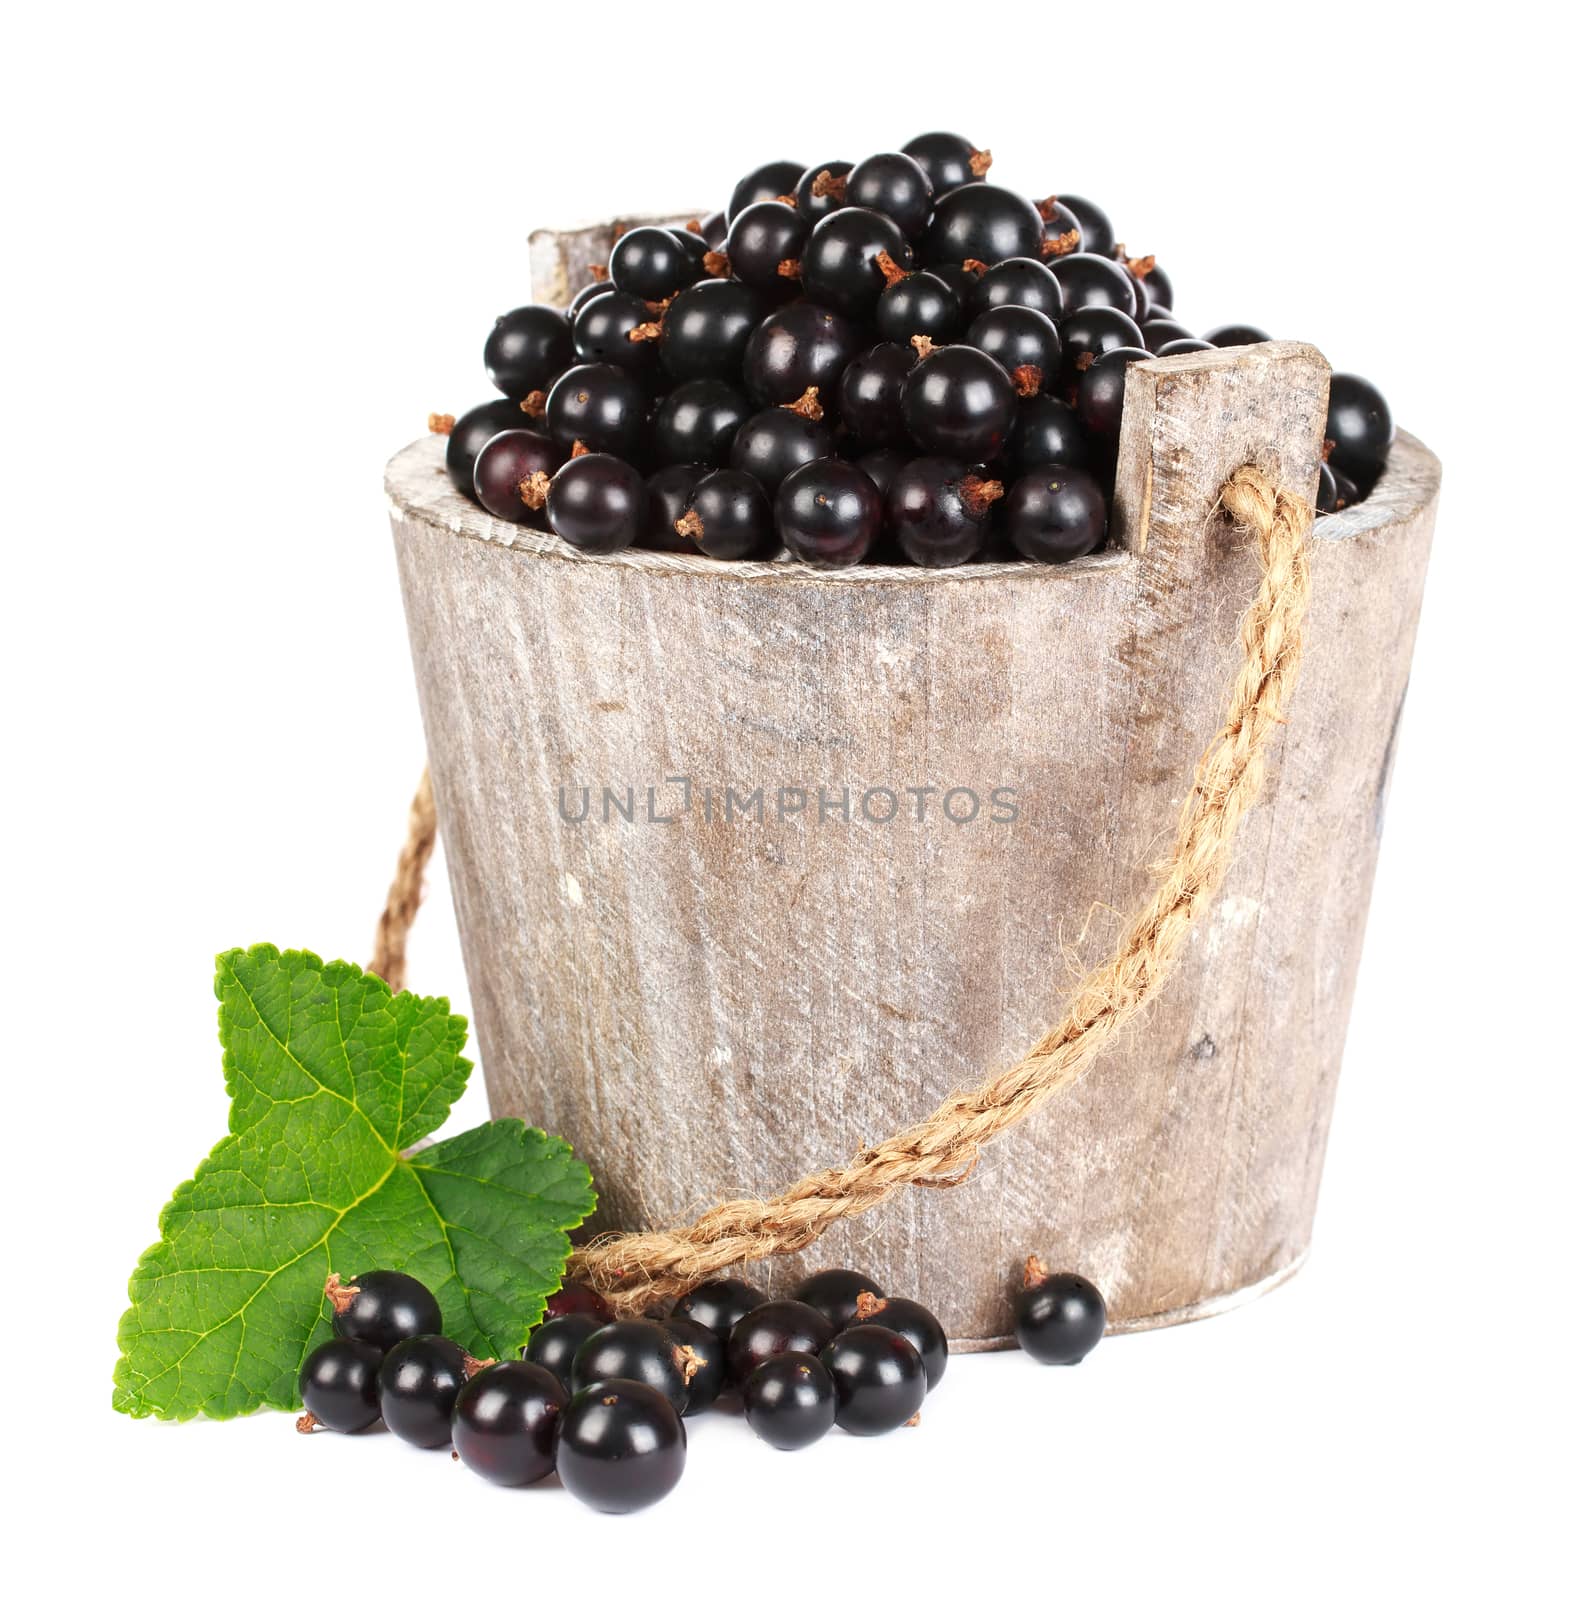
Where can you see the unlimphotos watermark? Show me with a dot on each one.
(673, 799)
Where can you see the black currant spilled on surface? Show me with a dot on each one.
(622, 1446)
(878, 1376)
(639, 1349)
(338, 1386)
(836, 1292)
(505, 1422)
(381, 1308)
(419, 1383)
(554, 1345)
(775, 1328)
(1059, 1317)
(718, 1304)
(789, 1401)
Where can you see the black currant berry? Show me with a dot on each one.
(554, 1345)
(764, 246)
(1047, 432)
(982, 223)
(729, 517)
(771, 444)
(1095, 230)
(697, 422)
(596, 503)
(1360, 427)
(768, 182)
(921, 303)
(776, 1328)
(621, 1447)
(640, 1349)
(718, 1304)
(896, 185)
(1094, 281)
(705, 330)
(1154, 285)
(338, 1386)
(1054, 514)
(851, 257)
(578, 1299)
(601, 407)
(949, 160)
(1347, 491)
(821, 189)
(878, 1377)
(471, 433)
(690, 237)
(1231, 334)
(590, 291)
(882, 467)
(505, 1422)
(1059, 1316)
(1162, 330)
(1101, 389)
(836, 1292)
(789, 1401)
(713, 228)
(910, 1320)
(652, 264)
(828, 513)
(1328, 497)
(959, 402)
(703, 1356)
(1017, 282)
(527, 350)
(1024, 343)
(618, 328)
(1090, 333)
(669, 489)
(939, 512)
(868, 396)
(419, 1383)
(799, 347)
(511, 477)
(383, 1308)
(1061, 234)
(1181, 347)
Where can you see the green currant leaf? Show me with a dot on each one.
(332, 1077)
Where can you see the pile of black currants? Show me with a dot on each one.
(893, 361)
(600, 1402)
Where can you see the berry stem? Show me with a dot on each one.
(1035, 1273)
(980, 162)
(441, 422)
(690, 526)
(534, 489)
(533, 403)
(339, 1293)
(868, 1304)
(808, 406)
(307, 1422)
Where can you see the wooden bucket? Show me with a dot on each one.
(757, 946)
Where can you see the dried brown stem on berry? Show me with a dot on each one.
(441, 422)
(923, 345)
(580, 449)
(891, 270)
(307, 1422)
(914, 1421)
(868, 1304)
(825, 186)
(688, 1362)
(1084, 360)
(693, 225)
(790, 268)
(1140, 266)
(473, 1364)
(1027, 381)
(980, 163)
(1326, 450)
(659, 307)
(1063, 245)
(646, 333)
(339, 1294)
(716, 264)
(980, 494)
(534, 490)
(808, 406)
(597, 272)
(1035, 1273)
(533, 403)
(690, 526)
(786, 200)
(973, 264)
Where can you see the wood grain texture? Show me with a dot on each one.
(708, 1006)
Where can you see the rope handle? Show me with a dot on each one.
(942, 1149)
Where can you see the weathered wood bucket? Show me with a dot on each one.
(754, 862)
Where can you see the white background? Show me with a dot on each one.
(249, 249)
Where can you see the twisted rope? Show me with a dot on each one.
(389, 958)
(942, 1148)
